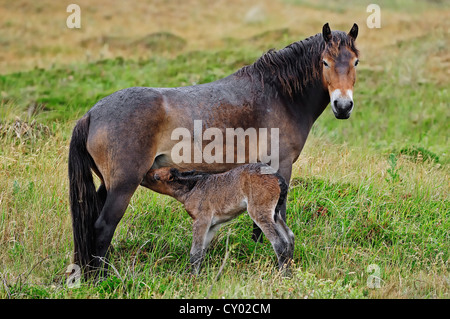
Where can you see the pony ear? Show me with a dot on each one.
(353, 32)
(326, 32)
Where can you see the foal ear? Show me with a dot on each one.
(353, 32)
(326, 32)
(173, 173)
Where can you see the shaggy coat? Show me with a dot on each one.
(130, 132)
(213, 199)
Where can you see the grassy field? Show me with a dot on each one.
(372, 190)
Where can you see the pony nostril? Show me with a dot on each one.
(342, 105)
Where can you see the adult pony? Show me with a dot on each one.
(129, 132)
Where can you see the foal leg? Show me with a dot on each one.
(203, 233)
(288, 234)
(197, 254)
(281, 242)
(285, 170)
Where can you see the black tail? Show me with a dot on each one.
(85, 204)
(283, 194)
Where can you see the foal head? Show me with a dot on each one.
(339, 60)
(170, 181)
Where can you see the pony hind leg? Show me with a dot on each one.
(102, 194)
(116, 203)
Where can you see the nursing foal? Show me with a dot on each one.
(213, 199)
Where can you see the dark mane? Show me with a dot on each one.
(298, 65)
(189, 178)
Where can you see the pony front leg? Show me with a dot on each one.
(285, 171)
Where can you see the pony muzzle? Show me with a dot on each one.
(341, 104)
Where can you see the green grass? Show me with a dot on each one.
(386, 116)
(67, 93)
(340, 227)
(372, 190)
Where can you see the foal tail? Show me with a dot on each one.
(85, 204)
(283, 194)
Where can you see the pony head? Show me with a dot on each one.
(339, 61)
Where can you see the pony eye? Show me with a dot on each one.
(325, 63)
(356, 62)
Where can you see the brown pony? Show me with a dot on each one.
(129, 132)
(214, 199)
